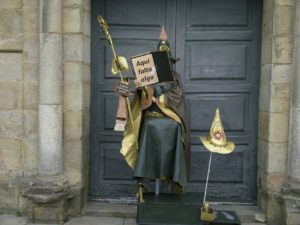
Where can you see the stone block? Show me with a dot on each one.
(295, 86)
(10, 95)
(266, 51)
(278, 127)
(50, 139)
(31, 47)
(73, 72)
(264, 182)
(280, 90)
(283, 20)
(72, 96)
(72, 3)
(285, 2)
(50, 69)
(263, 125)
(86, 22)
(280, 105)
(11, 66)
(11, 42)
(10, 20)
(262, 199)
(294, 141)
(275, 182)
(265, 73)
(86, 73)
(77, 201)
(268, 5)
(73, 125)
(86, 124)
(8, 197)
(30, 19)
(86, 95)
(274, 210)
(11, 124)
(277, 158)
(291, 209)
(95, 220)
(51, 214)
(86, 4)
(262, 154)
(72, 20)
(30, 156)
(264, 96)
(11, 4)
(86, 50)
(282, 50)
(281, 73)
(73, 47)
(30, 124)
(10, 154)
(15, 177)
(73, 155)
(30, 71)
(31, 95)
(51, 16)
(30, 2)
(74, 177)
(267, 24)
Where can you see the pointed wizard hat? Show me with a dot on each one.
(164, 45)
(216, 140)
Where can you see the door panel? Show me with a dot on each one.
(218, 43)
(134, 29)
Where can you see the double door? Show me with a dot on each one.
(218, 43)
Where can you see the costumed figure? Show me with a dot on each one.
(161, 124)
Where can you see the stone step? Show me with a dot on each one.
(108, 209)
(129, 210)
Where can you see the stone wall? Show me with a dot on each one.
(20, 74)
(18, 96)
(76, 92)
(274, 104)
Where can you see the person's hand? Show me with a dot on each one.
(123, 88)
(137, 84)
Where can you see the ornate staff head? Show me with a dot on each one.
(104, 28)
(119, 63)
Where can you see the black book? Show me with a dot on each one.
(152, 67)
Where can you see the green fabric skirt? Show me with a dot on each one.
(161, 151)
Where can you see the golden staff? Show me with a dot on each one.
(119, 64)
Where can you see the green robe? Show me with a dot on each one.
(163, 144)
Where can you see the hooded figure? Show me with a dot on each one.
(161, 124)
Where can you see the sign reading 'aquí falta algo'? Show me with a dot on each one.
(151, 68)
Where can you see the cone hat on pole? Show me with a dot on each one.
(216, 141)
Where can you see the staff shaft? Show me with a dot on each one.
(104, 27)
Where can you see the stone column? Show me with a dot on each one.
(50, 88)
(49, 194)
(291, 190)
